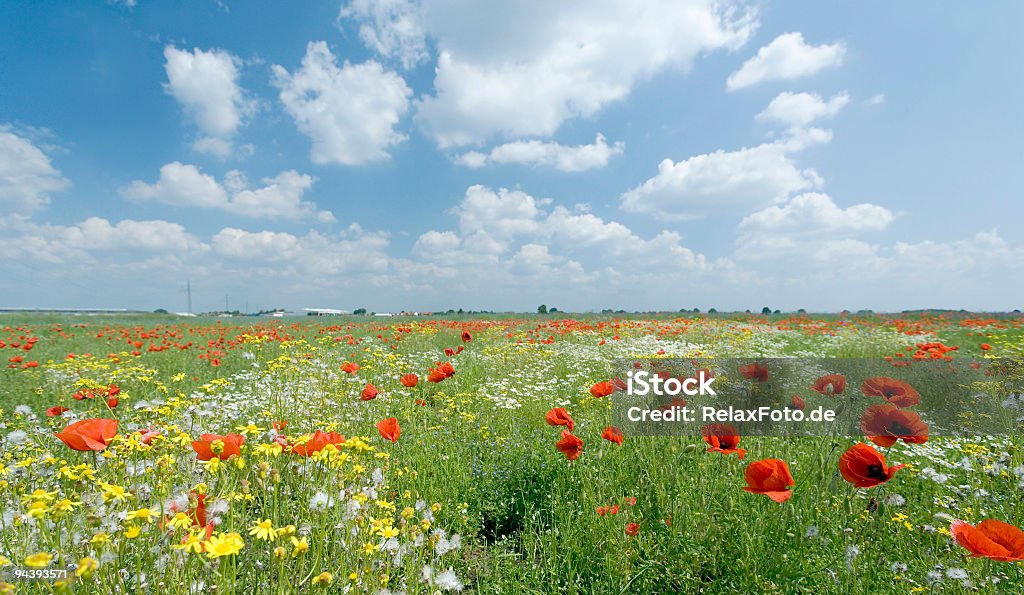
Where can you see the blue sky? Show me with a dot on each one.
(398, 154)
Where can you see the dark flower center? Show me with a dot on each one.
(876, 472)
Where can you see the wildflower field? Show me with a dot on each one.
(361, 455)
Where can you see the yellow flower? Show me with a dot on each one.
(100, 538)
(4, 560)
(38, 560)
(300, 545)
(227, 544)
(369, 548)
(389, 532)
(66, 505)
(408, 512)
(192, 544)
(113, 492)
(213, 465)
(279, 552)
(132, 532)
(37, 509)
(86, 567)
(263, 530)
(324, 578)
(287, 530)
(143, 514)
(180, 521)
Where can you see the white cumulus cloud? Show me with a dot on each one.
(723, 182)
(350, 113)
(27, 177)
(801, 109)
(787, 57)
(205, 83)
(547, 154)
(280, 197)
(520, 69)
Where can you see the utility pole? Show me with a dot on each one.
(188, 289)
(227, 305)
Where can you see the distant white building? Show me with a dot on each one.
(325, 312)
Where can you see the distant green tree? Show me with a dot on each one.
(766, 310)
(542, 309)
(552, 310)
(160, 311)
(712, 311)
(359, 311)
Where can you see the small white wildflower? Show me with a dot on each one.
(812, 532)
(956, 573)
(898, 567)
(448, 581)
(895, 500)
(321, 501)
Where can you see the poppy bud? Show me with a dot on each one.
(217, 447)
(943, 517)
(690, 448)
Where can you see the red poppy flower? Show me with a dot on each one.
(885, 424)
(723, 438)
(631, 501)
(570, 446)
(613, 510)
(601, 510)
(758, 372)
(441, 372)
(618, 384)
(769, 477)
(560, 417)
(113, 390)
(112, 402)
(56, 411)
(897, 392)
(612, 434)
(228, 445)
(990, 539)
(389, 429)
(279, 425)
(602, 389)
(985, 347)
(830, 384)
(466, 337)
(449, 351)
(317, 443)
(798, 403)
(865, 467)
(632, 529)
(89, 434)
(410, 380)
(349, 368)
(147, 436)
(369, 393)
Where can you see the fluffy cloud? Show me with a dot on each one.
(26, 175)
(350, 113)
(801, 109)
(526, 222)
(75, 244)
(723, 182)
(392, 28)
(205, 83)
(547, 154)
(514, 69)
(808, 223)
(786, 57)
(185, 185)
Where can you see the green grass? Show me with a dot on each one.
(481, 450)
